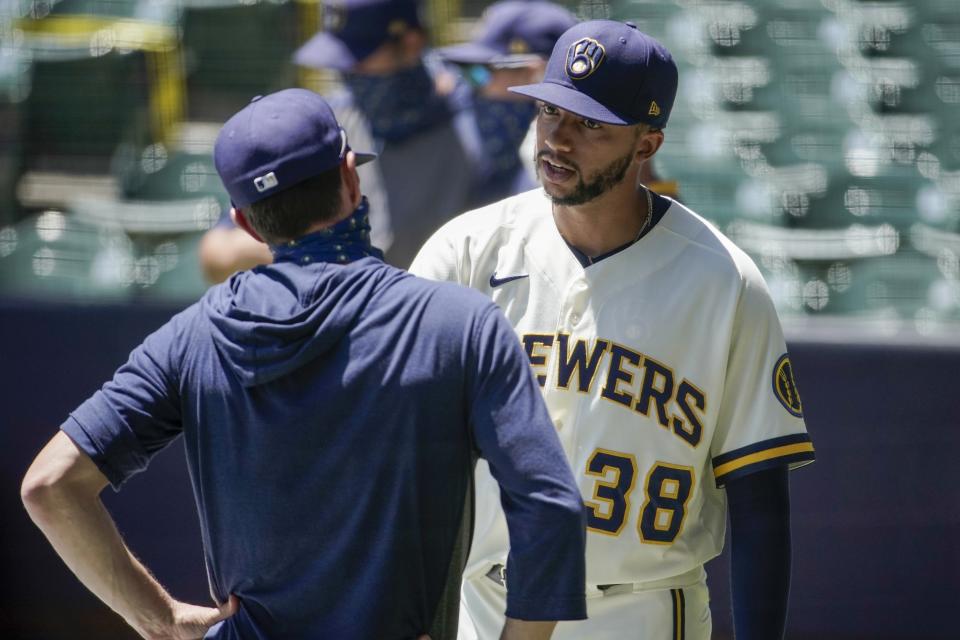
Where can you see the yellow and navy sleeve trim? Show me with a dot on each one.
(793, 450)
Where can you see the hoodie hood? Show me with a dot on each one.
(272, 320)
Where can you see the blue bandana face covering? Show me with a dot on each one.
(398, 105)
(503, 124)
(344, 242)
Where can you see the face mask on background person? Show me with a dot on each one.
(503, 124)
(400, 104)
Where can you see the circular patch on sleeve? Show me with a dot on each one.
(785, 387)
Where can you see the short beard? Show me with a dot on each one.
(601, 182)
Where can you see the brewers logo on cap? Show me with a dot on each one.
(785, 387)
(583, 58)
(518, 46)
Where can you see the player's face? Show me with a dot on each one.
(578, 159)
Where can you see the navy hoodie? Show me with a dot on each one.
(331, 416)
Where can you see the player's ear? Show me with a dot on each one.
(350, 181)
(240, 219)
(648, 142)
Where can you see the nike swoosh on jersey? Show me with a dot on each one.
(496, 282)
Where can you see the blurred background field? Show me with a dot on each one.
(821, 135)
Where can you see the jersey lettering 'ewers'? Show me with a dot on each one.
(629, 378)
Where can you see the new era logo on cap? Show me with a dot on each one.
(610, 72)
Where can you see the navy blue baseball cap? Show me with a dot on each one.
(353, 29)
(276, 142)
(512, 31)
(610, 72)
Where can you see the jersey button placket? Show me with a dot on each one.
(574, 305)
(572, 315)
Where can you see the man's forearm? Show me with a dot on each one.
(527, 629)
(84, 535)
(225, 251)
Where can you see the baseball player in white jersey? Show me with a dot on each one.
(659, 353)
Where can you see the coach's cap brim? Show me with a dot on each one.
(468, 53)
(571, 100)
(325, 51)
(364, 158)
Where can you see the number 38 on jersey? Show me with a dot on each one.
(665, 491)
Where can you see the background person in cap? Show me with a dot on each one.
(398, 98)
(511, 47)
(409, 103)
(659, 353)
(331, 406)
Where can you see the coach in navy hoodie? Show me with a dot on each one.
(332, 407)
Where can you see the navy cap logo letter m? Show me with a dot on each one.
(583, 58)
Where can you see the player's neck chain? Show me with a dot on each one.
(586, 260)
(649, 216)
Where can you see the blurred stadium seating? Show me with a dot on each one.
(822, 135)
